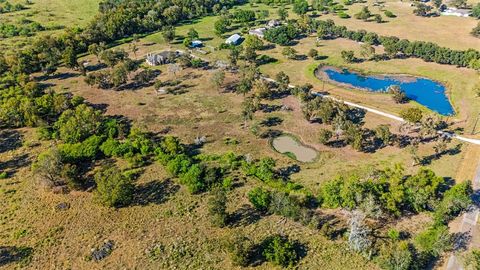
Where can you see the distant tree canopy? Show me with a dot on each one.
(282, 35)
(394, 46)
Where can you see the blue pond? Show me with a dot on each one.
(429, 93)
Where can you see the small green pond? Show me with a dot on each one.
(291, 147)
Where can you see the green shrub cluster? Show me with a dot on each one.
(394, 192)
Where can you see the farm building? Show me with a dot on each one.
(259, 32)
(456, 12)
(197, 44)
(162, 58)
(234, 39)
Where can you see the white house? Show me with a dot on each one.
(234, 39)
(456, 12)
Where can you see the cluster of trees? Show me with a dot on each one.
(277, 249)
(120, 66)
(394, 46)
(282, 35)
(25, 29)
(8, 7)
(391, 192)
(365, 15)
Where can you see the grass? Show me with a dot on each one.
(51, 14)
(171, 228)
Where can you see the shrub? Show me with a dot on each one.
(193, 179)
(389, 14)
(239, 249)
(280, 251)
(324, 136)
(3, 175)
(396, 256)
(114, 189)
(260, 198)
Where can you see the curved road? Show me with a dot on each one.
(388, 115)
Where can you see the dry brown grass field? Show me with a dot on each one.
(167, 227)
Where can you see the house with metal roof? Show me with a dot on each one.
(234, 39)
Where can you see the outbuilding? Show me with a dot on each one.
(197, 44)
(234, 39)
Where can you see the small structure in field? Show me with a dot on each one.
(197, 44)
(456, 12)
(259, 32)
(165, 57)
(234, 39)
(273, 23)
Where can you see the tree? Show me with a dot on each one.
(76, 125)
(364, 14)
(422, 10)
(476, 11)
(217, 207)
(168, 33)
(248, 109)
(367, 51)
(397, 94)
(434, 240)
(382, 132)
(70, 58)
(174, 69)
(218, 78)
(437, 3)
(254, 42)
(48, 168)
(260, 198)
(412, 115)
(280, 251)
(114, 189)
(192, 34)
(348, 56)
(234, 55)
(221, 26)
(300, 7)
(459, 3)
(313, 53)
(282, 13)
(289, 52)
(378, 18)
(359, 233)
(283, 80)
(324, 136)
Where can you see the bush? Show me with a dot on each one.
(280, 251)
(324, 136)
(114, 189)
(239, 249)
(260, 198)
(396, 256)
(389, 14)
(3, 175)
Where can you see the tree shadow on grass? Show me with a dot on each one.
(9, 254)
(10, 140)
(155, 192)
(13, 165)
(245, 215)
